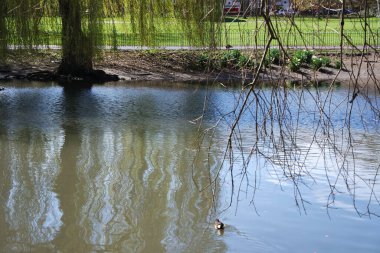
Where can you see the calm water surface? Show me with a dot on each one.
(120, 168)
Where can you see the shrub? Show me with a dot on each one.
(244, 61)
(202, 60)
(230, 58)
(325, 61)
(308, 55)
(274, 55)
(232, 55)
(266, 62)
(316, 63)
(338, 65)
(305, 56)
(294, 64)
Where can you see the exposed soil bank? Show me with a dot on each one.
(184, 66)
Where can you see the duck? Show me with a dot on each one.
(218, 224)
(228, 46)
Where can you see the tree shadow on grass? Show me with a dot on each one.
(234, 19)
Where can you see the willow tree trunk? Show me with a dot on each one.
(77, 51)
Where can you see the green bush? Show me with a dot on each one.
(266, 62)
(274, 55)
(338, 65)
(316, 63)
(308, 56)
(294, 64)
(230, 58)
(243, 60)
(305, 56)
(325, 61)
(232, 55)
(202, 60)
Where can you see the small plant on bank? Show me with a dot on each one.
(152, 51)
(234, 59)
(202, 61)
(230, 58)
(325, 61)
(305, 56)
(243, 60)
(246, 62)
(266, 62)
(316, 63)
(274, 55)
(338, 65)
(319, 62)
(294, 64)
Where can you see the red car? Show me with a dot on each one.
(232, 7)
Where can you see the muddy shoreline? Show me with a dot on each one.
(361, 71)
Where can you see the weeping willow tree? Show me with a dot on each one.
(81, 24)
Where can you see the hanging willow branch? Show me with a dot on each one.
(82, 24)
(277, 121)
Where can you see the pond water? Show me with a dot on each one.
(140, 168)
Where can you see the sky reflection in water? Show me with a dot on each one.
(116, 169)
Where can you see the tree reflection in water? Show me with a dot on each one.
(123, 169)
(86, 183)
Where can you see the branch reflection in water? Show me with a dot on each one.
(130, 169)
(118, 173)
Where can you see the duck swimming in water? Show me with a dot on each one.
(218, 224)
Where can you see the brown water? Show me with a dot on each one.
(116, 169)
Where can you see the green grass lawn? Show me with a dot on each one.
(303, 23)
(303, 31)
(252, 31)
